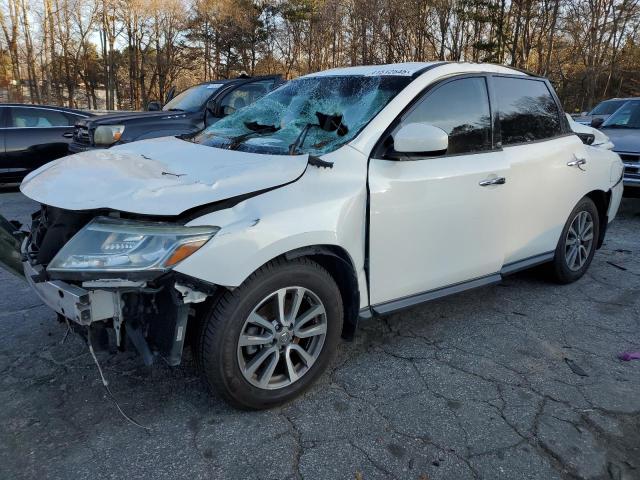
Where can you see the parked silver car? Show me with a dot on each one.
(623, 129)
(601, 112)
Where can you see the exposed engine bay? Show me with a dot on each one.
(118, 313)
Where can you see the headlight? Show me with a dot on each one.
(114, 245)
(107, 134)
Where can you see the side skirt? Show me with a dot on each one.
(393, 306)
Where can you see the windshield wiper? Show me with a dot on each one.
(256, 130)
(619, 126)
(328, 123)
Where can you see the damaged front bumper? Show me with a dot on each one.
(72, 302)
(151, 318)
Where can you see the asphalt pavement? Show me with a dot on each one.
(514, 381)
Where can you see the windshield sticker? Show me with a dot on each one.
(389, 71)
(213, 86)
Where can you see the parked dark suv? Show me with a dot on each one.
(186, 113)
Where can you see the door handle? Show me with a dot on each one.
(493, 181)
(577, 162)
(67, 134)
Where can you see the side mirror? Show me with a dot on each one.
(420, 138)
(597, 122)
(154, 106)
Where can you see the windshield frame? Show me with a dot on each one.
(195, 88)
(611, 121)
(298, 105)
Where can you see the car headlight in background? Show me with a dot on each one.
(107, 134)
(115, 245)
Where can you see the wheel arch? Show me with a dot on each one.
(337, 261)
(601, 200)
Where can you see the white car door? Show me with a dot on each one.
(438, 221)
(546, 177)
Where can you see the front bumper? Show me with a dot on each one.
(75, 303)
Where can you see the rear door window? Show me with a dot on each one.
(23, 117)
(527, 110)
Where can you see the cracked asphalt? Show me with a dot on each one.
(515, 381)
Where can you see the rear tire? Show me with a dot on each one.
(577, 244)
(266, 341)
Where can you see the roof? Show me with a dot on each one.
(52, 107)
(241, 79)
(409, 69)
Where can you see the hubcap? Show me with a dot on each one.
(579, 241)
(282, 338)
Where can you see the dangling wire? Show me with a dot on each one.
(106, 385)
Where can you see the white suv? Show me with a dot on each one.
(340, 195)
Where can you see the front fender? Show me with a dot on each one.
(243, 247)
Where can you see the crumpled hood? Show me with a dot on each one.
(624, 140)
(162, 176)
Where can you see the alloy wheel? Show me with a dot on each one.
(282, 338)
(579, 241)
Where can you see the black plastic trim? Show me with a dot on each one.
(528, 262)
(386, 308)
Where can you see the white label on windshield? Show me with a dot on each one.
(214, 86)
(389, 71)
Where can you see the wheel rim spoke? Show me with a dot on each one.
(306, 358)
(295, 307)
(572, 230)
(282, 293)
(291, 370)
(572, 255)
(320, 329)
(258, 320)
(268, 373)
(309, 315)
(259, 359)
(247, 340)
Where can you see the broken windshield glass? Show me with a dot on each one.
(300, 110)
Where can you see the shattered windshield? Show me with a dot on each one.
(192, 98)
(312, 115)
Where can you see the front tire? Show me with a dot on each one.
(266, 341)
(578, 242)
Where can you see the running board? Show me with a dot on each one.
(406, 302)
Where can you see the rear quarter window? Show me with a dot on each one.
(527, 110)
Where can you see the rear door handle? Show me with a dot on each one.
(493, 181)
(67, 134)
